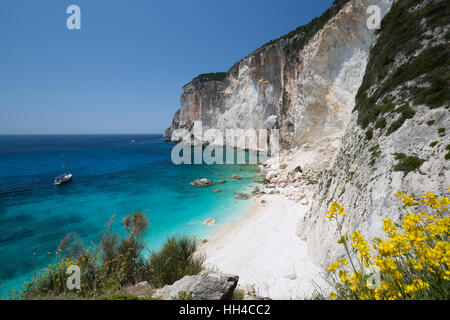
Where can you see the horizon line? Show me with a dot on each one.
(74, 134)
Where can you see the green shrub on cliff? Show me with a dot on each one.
(402, 34)
(214, 76)
(175, 260)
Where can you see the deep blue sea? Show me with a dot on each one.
(112, 175)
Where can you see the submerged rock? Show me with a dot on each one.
(242, 196)
(236, 177)
(207, 285)
(202, 182)
(222, 181)
(209, 221)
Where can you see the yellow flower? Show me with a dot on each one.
(333, 266)
(333, 295)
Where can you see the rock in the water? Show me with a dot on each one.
(217, 190)
(242, 196)
(222, 181)
(236, 177)
(207, 285)
(202, 183)
(209, 221)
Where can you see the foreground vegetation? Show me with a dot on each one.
(110, 269)
(411, 262)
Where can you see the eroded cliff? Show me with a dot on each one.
(371, 106)
(303, 83)
(397, 138)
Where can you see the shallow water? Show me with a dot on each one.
(112, 176)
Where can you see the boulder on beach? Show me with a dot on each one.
(202, 182)
(242, 196)
(297, 169)
(207, 285)
(209, 221)
(236, 177)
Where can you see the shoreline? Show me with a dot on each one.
(261, 247)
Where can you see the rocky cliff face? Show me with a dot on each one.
(303, 83)
(397, 138)
(374, 104)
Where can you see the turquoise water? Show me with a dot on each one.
(112, 176)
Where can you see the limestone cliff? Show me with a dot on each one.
(374, 104)
(303, 83)
(397, 138)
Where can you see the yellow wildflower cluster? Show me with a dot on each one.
(413, 259)
(335, 208)
(55, 278)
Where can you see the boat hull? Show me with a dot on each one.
(62, 179)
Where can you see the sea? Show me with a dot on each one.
(113, 175)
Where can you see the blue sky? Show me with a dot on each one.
(123, 71)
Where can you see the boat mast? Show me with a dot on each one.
(67, 162)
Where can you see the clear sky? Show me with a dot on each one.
(123, 71)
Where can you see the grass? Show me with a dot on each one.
(238, 295)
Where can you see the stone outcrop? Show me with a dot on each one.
(398, 134)
(207, 285)
(202, 182)
(209, 221)
(307, 92)
(242, 196)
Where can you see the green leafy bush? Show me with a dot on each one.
(407, 163)
(175, 260)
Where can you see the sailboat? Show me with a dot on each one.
(66, 177)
